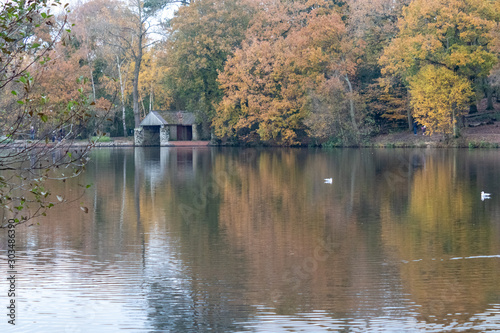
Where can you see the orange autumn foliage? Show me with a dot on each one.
(294, 57)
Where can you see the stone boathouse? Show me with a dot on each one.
(161, 127)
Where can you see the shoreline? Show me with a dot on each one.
(395, 140)
(389, 141)
(486, 135)
(115, 143)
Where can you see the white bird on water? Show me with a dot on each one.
(328, 180)
(485, 196)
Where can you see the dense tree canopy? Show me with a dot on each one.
(202, 36)
(286, 72)
(457, 35)
(450, 33)
(293, 61)
(274, 71)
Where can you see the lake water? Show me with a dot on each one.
(253, 240)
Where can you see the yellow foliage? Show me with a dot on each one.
(438, 97)
(456, 34)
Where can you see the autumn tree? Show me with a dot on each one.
(125, 28)
(140, 26)
(327, 60)
(494, 78)
(439, 97)
(100, 60)
(152, 94)
(201, 38)
(152, 90)
(58, 81)
(253, 107)
(374, 23)
(117, 38)
(30, 33)
(452, 34)
(494, 81)
(294, 58)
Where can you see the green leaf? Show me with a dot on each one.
(14, 92)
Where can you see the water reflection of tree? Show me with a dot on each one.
(196, 283)
(303, 239)
(270, 232)
(262, 205)
(444, 219)
(277, 204)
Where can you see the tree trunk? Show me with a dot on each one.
(489, 94)
(351, 109)
(90, 66)
(92, 80)
(473, 108)
(137, 68)
(135, 91)
(122, 90)
(151, 98)
(143, 106)
(454, 121)
(410, 118)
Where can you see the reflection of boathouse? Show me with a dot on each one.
(160, 127)
(177, 165)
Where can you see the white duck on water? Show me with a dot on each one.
(485, 196)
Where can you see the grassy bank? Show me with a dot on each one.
(481, 130)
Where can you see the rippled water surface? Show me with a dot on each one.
(253, 240)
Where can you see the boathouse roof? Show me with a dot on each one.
(159, 118)
(153, 119)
